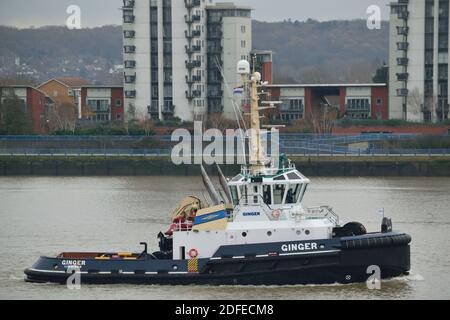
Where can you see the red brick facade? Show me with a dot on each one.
(115, 96)
(117, 107)
(374, 94)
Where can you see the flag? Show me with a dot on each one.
(238, 90)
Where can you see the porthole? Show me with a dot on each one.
(298, 232)
(174, 267)
(307, 232)
(269, 233)
(322, 246)
(244, 234)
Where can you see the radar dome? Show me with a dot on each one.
(243, 67)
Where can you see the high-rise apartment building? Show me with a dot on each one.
(418, 84)
(178, 55)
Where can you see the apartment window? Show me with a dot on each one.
(358, 108)
(154, 76)
(443, 43)
(379, 101)
(243, 29)
(429, 73)
(99, 105)
(429, 57)
(428, 88)
(118, 102)
(155, 91)
(243, 43)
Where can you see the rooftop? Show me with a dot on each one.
(319, 85)
(227, 5)
(71, 82)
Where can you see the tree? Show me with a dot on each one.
(322, 119)
(14, 117)
(63, 117)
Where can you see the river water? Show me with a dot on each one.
(44, 216)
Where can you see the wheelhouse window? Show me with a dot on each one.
(234, 195)
(244, 195)
(293, 193)
(303, 193)
(267, 194)
(278, 193)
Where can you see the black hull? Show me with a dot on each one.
(349, 264)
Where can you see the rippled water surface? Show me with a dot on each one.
(44, 216)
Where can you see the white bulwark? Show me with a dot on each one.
(418, 86)
(175, 53)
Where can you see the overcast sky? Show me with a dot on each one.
(26, 13)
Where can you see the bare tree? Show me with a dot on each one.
(415, 103)
(322, 119)
(218, 121)
(63, 117)
(147, 124)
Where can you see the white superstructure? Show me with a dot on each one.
(264, 201)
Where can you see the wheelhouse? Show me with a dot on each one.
(287, 188)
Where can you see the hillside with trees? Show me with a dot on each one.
(309, 51)
(320, 52)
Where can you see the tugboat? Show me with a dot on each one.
(255, 231)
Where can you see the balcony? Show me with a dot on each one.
(130, 94)
(402, 31)
(128, 18)
(402, 46)
(193, 64)
(404, 15)
(130, 64)
(192, 3)
(192, 34)
(402, 61)
(193, 94)
(130, 78)
(191, 80)
(402, 92)
(193, 49)
(128, 4)
(129, 49)
(129, 34)
(192, 19)
(402, 76)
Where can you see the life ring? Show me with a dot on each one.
(193, 253)
(276, 214)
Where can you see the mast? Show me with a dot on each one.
(257, 158)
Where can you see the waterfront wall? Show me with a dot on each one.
(162, 166)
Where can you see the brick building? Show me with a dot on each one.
(37, 103)
(355, 101)
(102, 103)
(64, 90)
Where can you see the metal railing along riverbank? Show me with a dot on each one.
(292, 152)
(139, 146)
